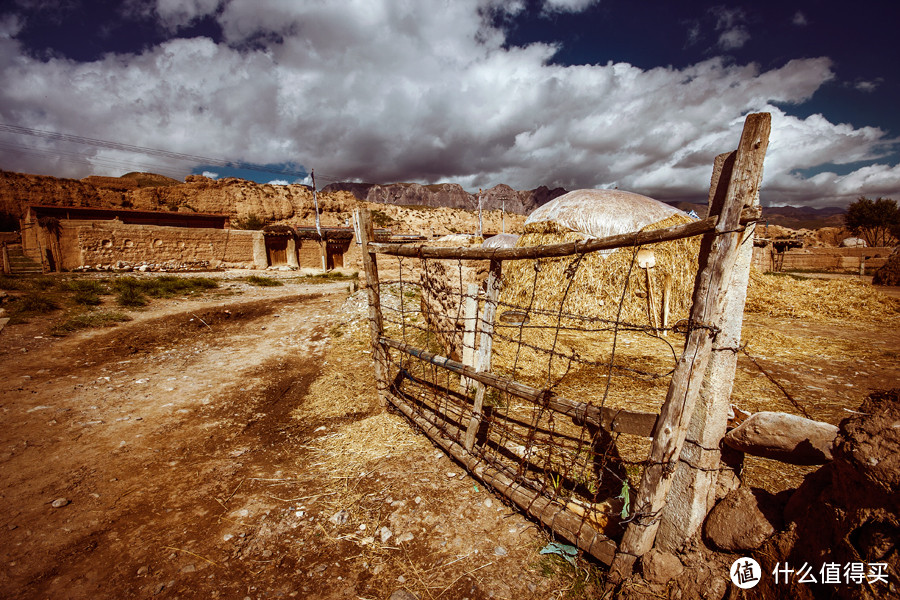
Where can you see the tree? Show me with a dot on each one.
(877, 221)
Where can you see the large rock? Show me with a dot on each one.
(738, 522)
(784, 437)
(846, 512)
(659, 566)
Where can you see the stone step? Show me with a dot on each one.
(19, 263)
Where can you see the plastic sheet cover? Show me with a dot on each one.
(501, 240)
(601, 213)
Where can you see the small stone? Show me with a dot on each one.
(660, 567)
(385, 534)
(159, 588)
(188, 569)
(405, 537)
(340, 517)
(418, 500)
(11, 526)
(362, 527)
(143, 570)
(451, 474)
(500, 551)
(227, 537)
(367, 540)
(488, 503)
(59, 502)
(401, 579)
(402, 594)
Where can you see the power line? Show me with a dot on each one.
(180, 156)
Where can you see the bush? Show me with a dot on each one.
(86, 298)
(263, 281)
(90, 320)
(251, 221)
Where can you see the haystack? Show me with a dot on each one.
(601, 288)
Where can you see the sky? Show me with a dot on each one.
(564, 93)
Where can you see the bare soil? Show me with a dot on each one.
(175, 442)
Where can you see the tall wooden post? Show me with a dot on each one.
(694, 485)
(470, 315)
(483, 359)
(684, 390)
(376, 323)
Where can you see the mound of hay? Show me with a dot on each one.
(819, 299)
(601, 288)
(889, 273)
(594, 285)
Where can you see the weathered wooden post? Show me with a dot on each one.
(709, 303)
(470, 316)
(376, 323)
(483, 359)
(693, 491)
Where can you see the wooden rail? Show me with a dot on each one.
(625, 240)
(611, 419)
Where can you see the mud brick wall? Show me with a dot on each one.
(106, 243)
(821, 259)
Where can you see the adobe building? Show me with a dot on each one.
(61, 238)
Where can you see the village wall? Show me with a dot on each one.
(91, 243)
(819, 259)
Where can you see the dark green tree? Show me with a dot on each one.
(876, 221)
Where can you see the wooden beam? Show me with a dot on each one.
(684, 389)
(611, 419)
(470, 316)
(625, 240)
(376, 323)
(575, 528)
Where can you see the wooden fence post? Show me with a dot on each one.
(694, 485)
(470, 316)
(376, 323)
(708, 304)
(483, 361)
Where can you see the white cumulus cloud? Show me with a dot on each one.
(393, 90)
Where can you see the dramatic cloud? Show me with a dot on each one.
(799, 19)
(389, 90)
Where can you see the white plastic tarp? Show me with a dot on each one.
(601, 213)
(501, 240)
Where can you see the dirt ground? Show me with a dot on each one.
(175, 443)
(206, 450)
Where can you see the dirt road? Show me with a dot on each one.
(185, 455)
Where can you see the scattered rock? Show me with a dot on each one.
(500, 551)
(403, 595)
(385, 534)
(340, 517)
(143, 570)
(60, 502)
(188, 569)
(660, 566)
(227, 537)
(451, 474)
(737, 522)
(405, 537)
(488, 503)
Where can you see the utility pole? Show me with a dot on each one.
(322, 243)
(479, 213)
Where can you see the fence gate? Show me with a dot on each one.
(572, 403)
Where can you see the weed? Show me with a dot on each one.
(336, 331)
(13, 283)
(36, 303)
(261, 281)
(326, 277)
(86, 285)
(130, 295)
(86, 298)
(89, 320)
(251, 221)
(130, 288)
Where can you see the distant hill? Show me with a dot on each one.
(793, 217)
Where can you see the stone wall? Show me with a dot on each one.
(84, 243)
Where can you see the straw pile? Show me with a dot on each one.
(600, 282)
(819, 299)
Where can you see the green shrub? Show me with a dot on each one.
(89, 320)
(130, 295)
(263, 281)
(86, 298)
(36, 303)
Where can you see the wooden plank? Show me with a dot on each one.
(684, 389)
(625, 240)
(574, 528)
(483, 364)
(611, 419)
(470, 315)
(376, 323)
